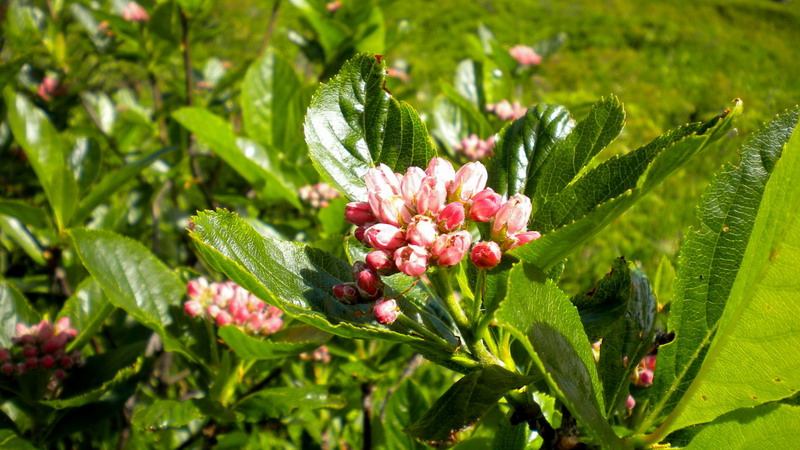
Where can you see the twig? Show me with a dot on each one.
(270, 27)
(156, 211)
(366, 405)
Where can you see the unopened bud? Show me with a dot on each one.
(47, 362)
(193, 308)
(486, 254)
(518, 239)
(469, 180)
(367, 280)
(451, 217)
(383, 236)
(450, 249)
(359, 213)
(347, 293)
(512, 216)
(382, 261)
(385, 311)
(422, 231)
(412, 260)
(484, 205)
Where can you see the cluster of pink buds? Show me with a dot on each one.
(320, 355)
(525, 55)
(397, 73)
(643, 374)
(476, 148)
(41, 346)
(317, 195)
(133, 12)
(334, 6)
(230, 304)
(50, 87)
(505, 110)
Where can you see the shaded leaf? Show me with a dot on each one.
(27, 214)
(88, 308)
(14, 308)
(165, 414)
(456, 118)
(768, 426)
(287, 342)
(280, 401)
(96, 394)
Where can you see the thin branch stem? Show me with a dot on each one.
(270, 27)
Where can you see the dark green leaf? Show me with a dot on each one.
(19, 233)
(405, 406)
(287, 342)
(96, 394)
(711, 257)
(354, 124)
(524, 145)
(46, 152)
(132, 278)
(541, 316)
(165, 414)
(88, 308)
(27, 214)
(246, 157)
(14, 308)
(465, 403)
(621, 310)
(587, 205)
(280, 401)
(9, 439)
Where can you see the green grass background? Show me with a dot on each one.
(670, 62)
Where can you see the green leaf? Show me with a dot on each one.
(524, 145)
(621, 310)
(273, 103)
(27, 214)
(354, 124)
(541, 316)
(280, 401)
(19, 233)
(14, 308)
(246, 157)
(406, 405)
(114, 181)
(592, 134)
(97, 394)
(88, 308)
(9, 439)
(468, 81)
(465, 403)
(767, 426)
(759, 329)
(46, 152)
(287, 342)
(725, 251)
(590, 203)
(296, 278)
(456, 118)
(132, 278)
(165, 414)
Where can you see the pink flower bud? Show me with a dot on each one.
(450, 249)
(133, 12)
(213, 310)
(368, 281)
(45, 331)
(630, 403)
(385, 311)
(451, 217)
(59, 374)
(7, 368)
(469, 180)
(412, 260)
(333, 6)
(381, 180)
(518, 239)
(63, 324)
(359, 214)
(50, 87)
(254, 303)
(422, 231)
(645, 378)
(224, 318)
(441, 170)
(5, 355)
(47, 362)
(412, 181)
(383, 236)
(432, 196)
(30, 351)
(56, 342)
(65, 362)
(513, 216)
(525, 56)
(389, 209)
(361, 234)
(347, 293)
(196, 288)
(649, 362)
(193, 308)
(484, 205)
(486, 254)
(22, 329)
(381, 261)
(271, 325)
(31, 363)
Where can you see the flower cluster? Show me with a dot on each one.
(421, 219)
(505, 110)
(525, 55)
(41, 346)
(476, 148)
(133, 12)
(50, 87)
(317, 195)
(230, 304)
(320, 355)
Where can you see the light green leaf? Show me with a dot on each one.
(754, 356)
(456, 118)
(132, 278)
(165, 414)
(285, 343)
(712, 260)
(465, 403)
(354, 124)
(14, 309)
(246, 157)
(590, 203)
(524, 145)
(46, 152)
(541, 316)
(468, 81)
(768, 426)
(280, 401)
(19, 233)
(88, 308)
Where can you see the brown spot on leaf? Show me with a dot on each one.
(726, 228)
(705, 399)
(777, 380)
(754, 397)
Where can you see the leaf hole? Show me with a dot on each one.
(700, 277)
(778, 380)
